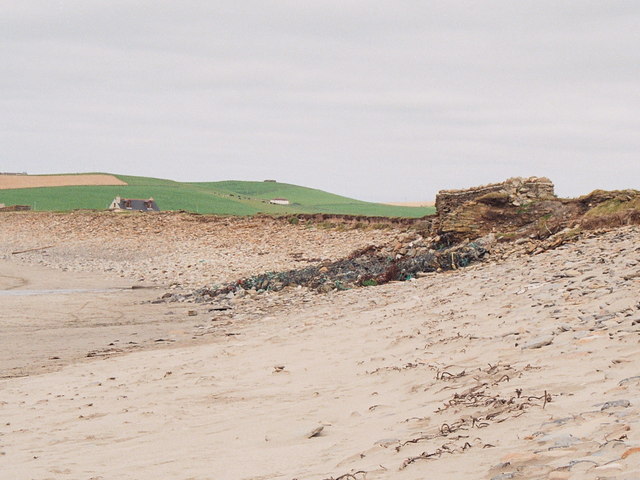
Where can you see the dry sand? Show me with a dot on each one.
(34, 181)
(523, 368)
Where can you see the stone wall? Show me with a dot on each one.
(424, 223)
(14, 208)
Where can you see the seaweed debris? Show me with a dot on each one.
(366, 267)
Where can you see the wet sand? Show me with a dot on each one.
(49, 319)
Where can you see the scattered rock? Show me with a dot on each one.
(538, 342)
(629, 380)
(505, 476)
(315, 432)
(565, 441)
(615, 404)
(559, 475)
(631, 451)
(609, 467)
(387, 442)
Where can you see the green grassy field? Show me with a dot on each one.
(223, 198)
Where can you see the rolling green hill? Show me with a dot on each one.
(223, 198)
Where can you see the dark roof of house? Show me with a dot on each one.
(141, 204)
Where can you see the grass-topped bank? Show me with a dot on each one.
(222, 198)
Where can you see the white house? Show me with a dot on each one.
(279, 201)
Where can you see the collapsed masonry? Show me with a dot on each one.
(494, 208)
(526, 210)
(516, 191)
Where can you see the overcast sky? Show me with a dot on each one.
(384, 101)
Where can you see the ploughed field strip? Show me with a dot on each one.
(8, 181)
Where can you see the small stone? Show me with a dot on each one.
(616, 432)
(504, 476)
(538, 342)
(615, 404)
(423, 274)
(559, 475)
(589, 338)
(559, 421)
(519, 457)
(631, 451)
(565, 441)
(571, 273)
(632, 275)
(580, 465)
(609, 467)
(387, 442)
(315, 432)
(192, 313)
(629, 380)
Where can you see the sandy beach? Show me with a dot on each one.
(519, 367)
